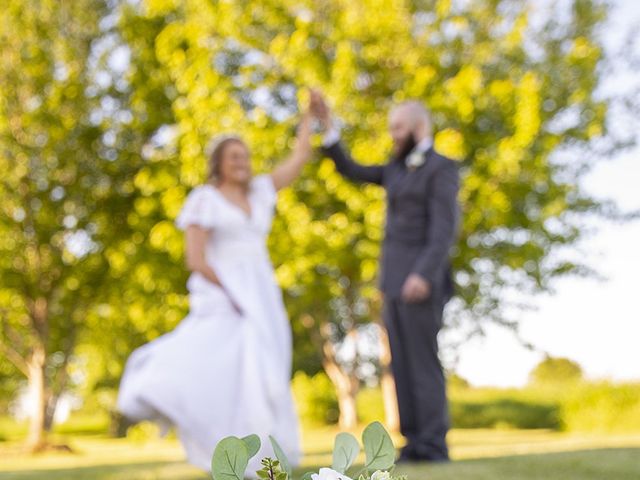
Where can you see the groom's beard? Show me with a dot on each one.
(405, 149)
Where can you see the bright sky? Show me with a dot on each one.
(596, 323)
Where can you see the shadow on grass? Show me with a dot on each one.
(591, 464)
(126, 471)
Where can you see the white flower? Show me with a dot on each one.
(415, 160)
(380, 475)
(328, 474)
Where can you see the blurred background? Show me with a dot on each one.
(105, 111)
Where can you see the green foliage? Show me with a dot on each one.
(556, 371)
(456, 382)
(252, 442)
(370, 405)
(271, 470)
(505, 413)
(101, 156)
(378, 447)
(199, 68)
(11, 380)
(142, 432)
(281, 456)
(602, 407)
(345, 451)
(230, 459)
(316, 399)
(579, 406)
(482, 408)
(59, 193)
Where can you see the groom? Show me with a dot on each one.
(422, 219)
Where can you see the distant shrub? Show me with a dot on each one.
(370, 405)
(578, 406)
(504, 413)
(602, 406)
(316, 399)
(456, 382)
(11, 429)
(143, 432)
(554, 370)
(82, 423)
(490, 409)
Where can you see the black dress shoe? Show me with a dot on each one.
(416, 460)
(438, 460)
(429, 453)
(407, 454)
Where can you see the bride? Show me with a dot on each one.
(225, 369)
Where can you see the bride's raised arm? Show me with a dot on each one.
(287, 171)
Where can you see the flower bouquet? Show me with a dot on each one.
(232, 454)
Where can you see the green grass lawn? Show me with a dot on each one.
(478, 455)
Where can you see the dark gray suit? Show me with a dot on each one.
(422, 219)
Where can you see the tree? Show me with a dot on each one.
(508, 94)
(58, 186)
(554, 371)
(106, 108)
(457, 382)
(144, 294)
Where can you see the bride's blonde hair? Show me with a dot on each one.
(215, 152)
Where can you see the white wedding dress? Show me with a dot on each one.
(220, 373)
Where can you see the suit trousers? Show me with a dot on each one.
(420, 384)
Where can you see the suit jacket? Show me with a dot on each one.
(422, 217)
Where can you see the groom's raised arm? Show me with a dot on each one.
(352, 170)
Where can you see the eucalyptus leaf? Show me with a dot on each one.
(280, 455)
(230, 459)
(252, 443)
(378, 447)
(345, 452)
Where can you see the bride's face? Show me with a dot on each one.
(235, 165)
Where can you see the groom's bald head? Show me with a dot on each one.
(409, 123)
(415, 113)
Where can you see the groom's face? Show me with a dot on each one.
(401, 128)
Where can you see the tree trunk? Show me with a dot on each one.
(38, 391)
(347, 386)
(346, 383)
(50, 412)
(387, 384)
(55, 389)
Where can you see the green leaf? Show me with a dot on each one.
(307, 476)
(230, 459)
(253, 444)
(345, 452)
(280, 455)
(378, 447)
